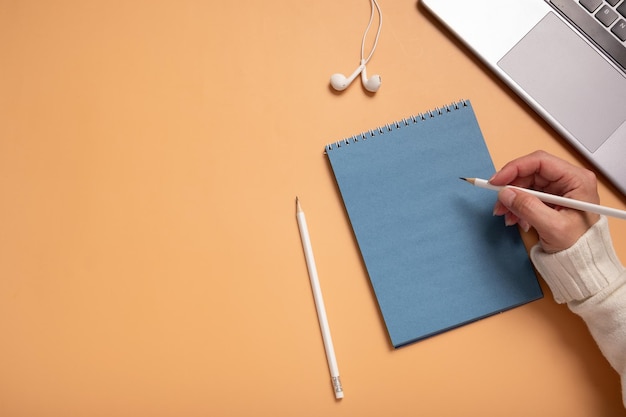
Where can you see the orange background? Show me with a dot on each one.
(150, 262)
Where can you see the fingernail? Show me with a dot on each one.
(508, 221)
(498, 209)
(524, 225)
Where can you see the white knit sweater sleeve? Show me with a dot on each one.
(590, 278)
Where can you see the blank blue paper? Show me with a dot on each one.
(436, 257)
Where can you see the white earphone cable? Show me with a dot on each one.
(375, 7)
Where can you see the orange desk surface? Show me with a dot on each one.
(150, 262)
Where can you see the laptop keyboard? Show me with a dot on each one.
(603, 21)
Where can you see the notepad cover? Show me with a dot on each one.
(436, 257)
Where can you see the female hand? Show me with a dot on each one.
(558, 227)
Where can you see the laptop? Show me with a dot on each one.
(565, 58)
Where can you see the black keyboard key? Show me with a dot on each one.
(619, 30)
(612, 2)
(621, 9)
(593, 29)
(606, 16)
(591, 5)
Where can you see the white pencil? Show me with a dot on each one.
(319, 302)
(554, 199)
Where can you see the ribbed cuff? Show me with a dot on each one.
(582, 270)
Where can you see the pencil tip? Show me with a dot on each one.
(469, 180)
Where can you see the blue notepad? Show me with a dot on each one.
(436, 257)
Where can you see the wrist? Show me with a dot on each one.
(583, 269)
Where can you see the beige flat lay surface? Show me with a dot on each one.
(150, 262)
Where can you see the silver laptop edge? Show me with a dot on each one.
(503, 44)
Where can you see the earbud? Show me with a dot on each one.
(339, 81)
(371, 84)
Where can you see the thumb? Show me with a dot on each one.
(528, 208)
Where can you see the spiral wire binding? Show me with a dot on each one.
(379, 131)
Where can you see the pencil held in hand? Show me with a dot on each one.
(553, 199)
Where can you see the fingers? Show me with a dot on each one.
(557, 229)
(527, 209)
(542, 171)
(521, 171)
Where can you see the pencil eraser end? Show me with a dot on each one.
(337, 387)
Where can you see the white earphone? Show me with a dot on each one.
(340, 82)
